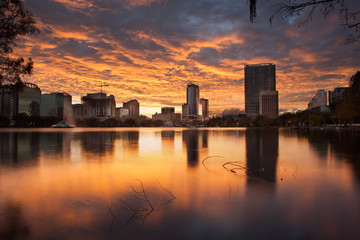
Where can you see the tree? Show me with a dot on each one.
(15, 22)
(348, 107)
(350, 18)
(355, 93)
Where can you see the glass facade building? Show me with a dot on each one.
(258, 77)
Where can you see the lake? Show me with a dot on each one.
(177, 183)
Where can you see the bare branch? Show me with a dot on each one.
(173, 197)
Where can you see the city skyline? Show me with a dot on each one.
(91, 43)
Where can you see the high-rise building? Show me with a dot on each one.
(134, 108)
(319, 100)
(98, 105)
(56, 105)
(121, 112)
(205, 107)
(258, 77)
(336, 95)
(77, 111)
(25, 100)
(185, 110)
(269, 103)
(192, 99)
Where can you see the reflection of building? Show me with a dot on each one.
(134, 108)
(98, 142)
(27, 100)
(258, 77)
(98, 105)
(261, 153)
(205, 107)
(336, 95)
(319, 100)
(130, 140)
(268, 103)
(191, 139)
(168, 135)
(56, 105)
(19, 147)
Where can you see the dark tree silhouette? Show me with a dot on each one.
(15, 22)
(355, 92)
(350, 18)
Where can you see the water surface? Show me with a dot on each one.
(171, 183)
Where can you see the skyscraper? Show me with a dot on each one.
(134, 108)
(205, 107)
(320, 99)
(268, 103)
(258, 77)
(56, 105)
(25, 100)
(98, 105)
(192, 98)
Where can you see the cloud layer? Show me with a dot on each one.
(150, 50)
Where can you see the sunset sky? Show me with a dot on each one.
(150, 49)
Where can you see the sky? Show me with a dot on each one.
(150, 50)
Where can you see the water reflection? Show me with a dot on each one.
(19, 147)
(168, 142)
(262, 149)
(130, 140)
(343, 143)
(12, 222)
(55, 199)
(55, 143)
(191, 138)
(98, 142)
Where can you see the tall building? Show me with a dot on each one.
(319, 100)
(192, 99)
(336, 95)
(205, 107)
(185, 110)
(56, 105)
(121, 112)
(134, 108)
(77, 111)
(25, 100)
(258, 77)
(269, 103)
(98, 105)
(9, 102)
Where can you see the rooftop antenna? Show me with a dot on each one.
(103, 85)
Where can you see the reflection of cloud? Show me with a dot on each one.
(150, 49)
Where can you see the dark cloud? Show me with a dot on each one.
(205, 41)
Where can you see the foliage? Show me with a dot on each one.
(350, 18)
(15, 22)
